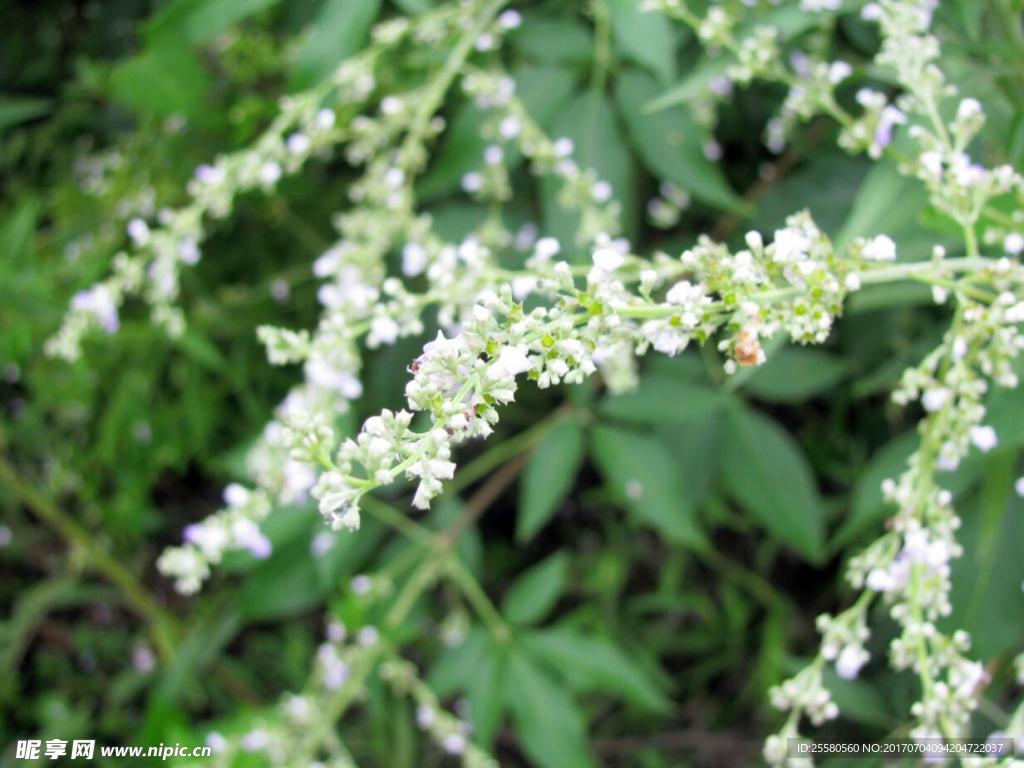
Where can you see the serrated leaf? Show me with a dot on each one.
(594, 663)
(536, 591)
(548, 477)
(765, 471)
(670, 144)
(550, 726)
(641, 471)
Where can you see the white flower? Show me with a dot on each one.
(934, 398)
(510, 127)
(454, 743)
(493, 155)
(361, 584)
(216, 742)
(546, 248)
(188, 251)
(879, 580)
(1014, 243)
(839, 71)
(510, 19)
(255, 740)
(968, 109)
(138, 231)
(602, 191)
(394, 177)
(236, 495)
(563, 147)
(383, 330)
(414, 259)
(472, 182)
(321, 544)
(425, 716)
(790, 245)
(99, 302)
(608, 259)
(336, 631)
(325, 119)
(209, 175)
(298, 143)
(850, 661)
(511, 361)
(368, 636)
(270, 172)
(1019, 487)
(880, 248)
(984, 438)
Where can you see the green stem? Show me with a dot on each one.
(161, 624)
(504, 451)
(602, 46)
(916, 270)
(476, 596)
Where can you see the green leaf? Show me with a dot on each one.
(826, 184)
(868, 505)
(453, 669)
(642, 473)
(544, 40)
(795, 374)
(594, 663)
(987, 578)
(544, 89)
(550, 726)
(462, 152)
(660, 399)
(166, 79)
(485, 692)
(338, 31)
(536, 591)
(548, 477)
(647, 39)
(200, 21)
(789, 20)
(859, 700)
(765, 471)
(18, 109)
(670, 144)
(284, 585)
(590, 122)
(887, 202)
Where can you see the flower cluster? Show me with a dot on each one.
(450, 733)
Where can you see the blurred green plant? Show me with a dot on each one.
(634, 627)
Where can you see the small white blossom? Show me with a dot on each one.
(984, 438)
